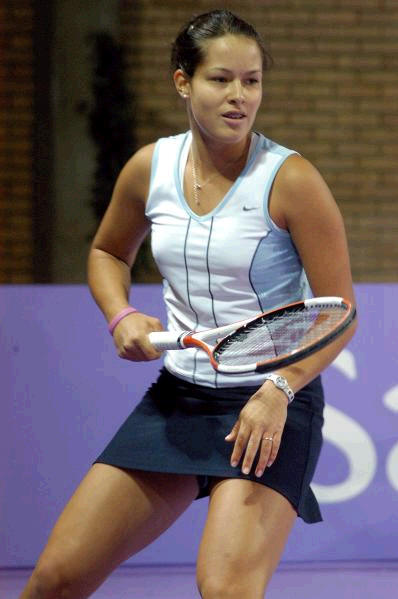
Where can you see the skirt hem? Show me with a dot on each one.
(219, 474)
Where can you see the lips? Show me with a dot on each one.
(234, 115)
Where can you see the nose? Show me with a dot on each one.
(236, 92)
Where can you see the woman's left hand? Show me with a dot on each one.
(262, 419)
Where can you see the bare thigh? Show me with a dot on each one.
(244, 536)
(112, 515)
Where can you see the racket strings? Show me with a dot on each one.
(266, 338)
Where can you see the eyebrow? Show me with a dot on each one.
(229, 70)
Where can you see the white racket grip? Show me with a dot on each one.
(163, 340)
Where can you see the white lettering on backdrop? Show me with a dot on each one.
(390, 401)
(352, 440)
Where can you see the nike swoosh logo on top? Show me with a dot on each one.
(247, 208)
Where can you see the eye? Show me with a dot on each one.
(219, 79)
(253, 81)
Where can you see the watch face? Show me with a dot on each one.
(280, 381)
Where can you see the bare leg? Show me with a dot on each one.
(245, 533)
(112, 515)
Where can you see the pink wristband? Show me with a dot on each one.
(116, 319)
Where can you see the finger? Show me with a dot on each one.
(130, 353)
(267, 444)
(239, 446)
(251, 452)
(136, 351)
(149, 351)
(233, 434)
(274, 449)
(133, 343)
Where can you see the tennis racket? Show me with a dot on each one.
(268, 341)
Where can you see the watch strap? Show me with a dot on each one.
(281, 383)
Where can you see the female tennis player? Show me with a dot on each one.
(239, 225)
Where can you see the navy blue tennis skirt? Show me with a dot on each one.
(179, 427)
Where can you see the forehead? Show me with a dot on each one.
(232, 52)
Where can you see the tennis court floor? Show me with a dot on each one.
(345, 580)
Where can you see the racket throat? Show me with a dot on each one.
(235, 369)
(184, 339)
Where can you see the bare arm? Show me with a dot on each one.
(302, 204)
(113, 252)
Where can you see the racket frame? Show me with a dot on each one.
(296, 355)
(168, 340)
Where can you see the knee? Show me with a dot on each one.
(50, 581)
(226, 587)
(212, 588)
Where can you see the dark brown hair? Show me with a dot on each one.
(188, 51)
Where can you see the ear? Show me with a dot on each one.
(182, 83)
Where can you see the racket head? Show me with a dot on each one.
(283, 336)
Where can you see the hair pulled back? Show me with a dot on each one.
(188, 48)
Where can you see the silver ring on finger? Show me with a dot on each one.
(268, 439)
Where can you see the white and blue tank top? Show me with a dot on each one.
(225, 266)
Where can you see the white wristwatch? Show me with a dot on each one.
(282, 384)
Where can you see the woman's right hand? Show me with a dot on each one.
(131, 337)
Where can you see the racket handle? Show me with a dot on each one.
(163, 340)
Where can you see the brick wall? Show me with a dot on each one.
(16, 123)
(332, 95)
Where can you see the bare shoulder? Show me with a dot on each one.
(296, 168)
(142, 159)
(300, 190)
(298, 178)
(135, 176)
(306, 208)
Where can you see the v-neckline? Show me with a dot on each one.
(179, 173)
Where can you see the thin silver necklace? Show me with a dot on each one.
(196, 185)
(199, 186)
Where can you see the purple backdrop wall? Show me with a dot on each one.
(64, 392)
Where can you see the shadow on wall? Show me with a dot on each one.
(111, 125)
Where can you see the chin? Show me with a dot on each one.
(232, 135)
(224, 134)
(235, 137)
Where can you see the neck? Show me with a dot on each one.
(209, 163)
(210, 156)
